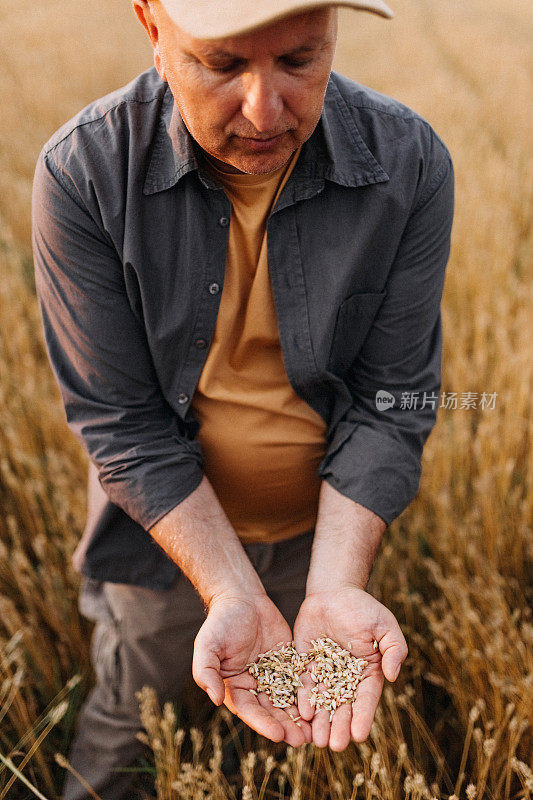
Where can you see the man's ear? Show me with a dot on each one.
(146, 17)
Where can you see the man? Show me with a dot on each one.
(240, 259)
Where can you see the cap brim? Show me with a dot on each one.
(219, 19)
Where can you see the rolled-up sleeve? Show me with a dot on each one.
(374, 456)
(100, 356)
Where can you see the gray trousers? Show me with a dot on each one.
(143, 637)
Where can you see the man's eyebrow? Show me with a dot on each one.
(309, 47)
(220, 54)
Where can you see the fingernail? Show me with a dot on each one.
(397, 671)
(212, 697)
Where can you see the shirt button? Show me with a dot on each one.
(201, 344)
(182, 398)
(214, 288)
(223, 222)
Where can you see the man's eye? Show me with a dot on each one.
(296, 63)
(223, 67)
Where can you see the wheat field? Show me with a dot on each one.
(456, 567)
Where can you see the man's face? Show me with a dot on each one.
(250, 100)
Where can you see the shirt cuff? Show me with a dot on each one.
(373, 467)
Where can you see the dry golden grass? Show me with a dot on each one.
(456, 567)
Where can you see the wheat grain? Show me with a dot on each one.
(338, 671)
(278, 674)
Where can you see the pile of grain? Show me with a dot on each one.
(278, 674)
(335, 672)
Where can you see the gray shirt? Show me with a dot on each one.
(130, 242)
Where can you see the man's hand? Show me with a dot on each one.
(354, 619)
(236, 630)
(242, 621)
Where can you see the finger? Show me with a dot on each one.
(364, 706)
(321, 727)
(305, 726)
(294, 734)
(206, 670)
(339, 737)
(248, 708)
(393, 649)
(305, 709)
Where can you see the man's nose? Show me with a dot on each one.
(262, 103)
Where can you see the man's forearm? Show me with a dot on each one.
(199, 538)
(346, 541)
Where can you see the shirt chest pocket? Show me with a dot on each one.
(354, 319)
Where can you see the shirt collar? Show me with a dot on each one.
(336, 150)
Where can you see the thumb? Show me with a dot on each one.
(393, 649)
(206, 668)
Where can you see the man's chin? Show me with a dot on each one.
(261, 163)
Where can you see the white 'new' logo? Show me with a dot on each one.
(384, 400)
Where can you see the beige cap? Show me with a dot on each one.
(218, 19)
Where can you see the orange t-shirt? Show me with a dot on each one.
(262, 443)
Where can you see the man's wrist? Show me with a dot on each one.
(347, 538)
(326, 584)
(250, 592)
(238, 595)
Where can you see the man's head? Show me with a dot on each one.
(249, 100)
